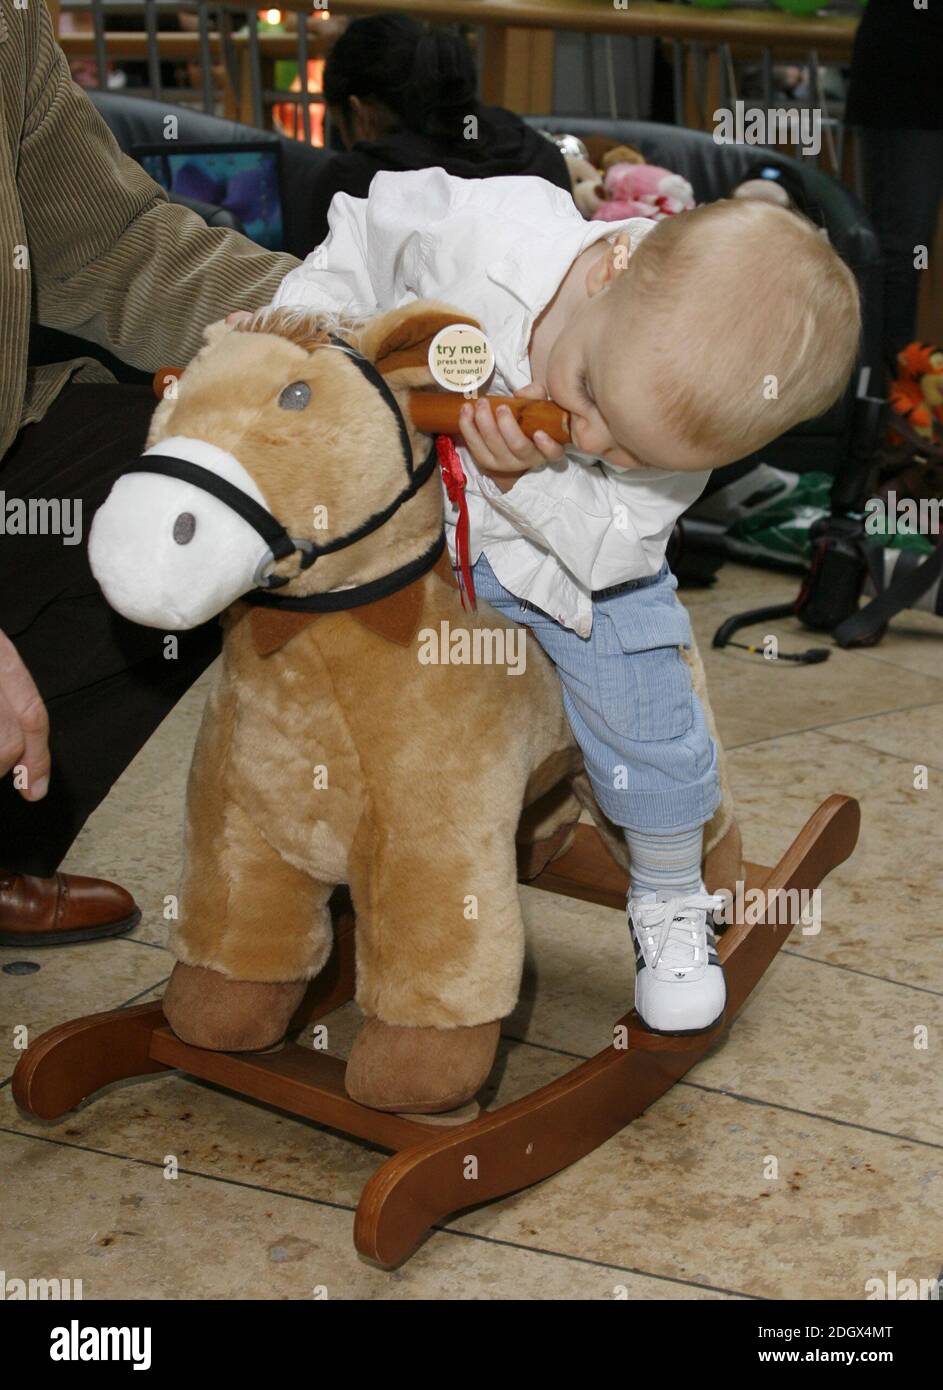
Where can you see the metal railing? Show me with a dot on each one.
(711, 51)
(225, 35)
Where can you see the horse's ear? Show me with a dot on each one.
(212, 331)
(397, 343)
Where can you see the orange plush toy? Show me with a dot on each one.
(917, 393)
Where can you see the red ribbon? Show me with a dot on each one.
(453, 475)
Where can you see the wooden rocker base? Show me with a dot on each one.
(426, 1179)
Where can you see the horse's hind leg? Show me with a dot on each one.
(551, 812)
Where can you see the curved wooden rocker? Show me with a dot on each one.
(514, 1146)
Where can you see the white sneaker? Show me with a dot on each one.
(679, 980)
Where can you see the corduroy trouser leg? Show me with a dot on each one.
(107, 683)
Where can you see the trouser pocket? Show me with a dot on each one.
(644, 685)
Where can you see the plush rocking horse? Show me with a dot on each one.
(285, 488)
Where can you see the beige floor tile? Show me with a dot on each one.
(756, 699)
(212, 1134)
(579, 977)
(878, 908)
(833, 1042)
(128, 1232)
(71, 981)
(740, 587)
(913, 643)
(913, 735)
(588, 1212)
(681, 1192)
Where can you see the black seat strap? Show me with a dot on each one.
(901, 593)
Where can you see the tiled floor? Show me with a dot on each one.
(819, 1079)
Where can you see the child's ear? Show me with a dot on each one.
(397, 343)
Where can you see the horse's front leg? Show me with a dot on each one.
(440, 948)
(252, 931)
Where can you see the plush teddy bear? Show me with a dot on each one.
(615, 181)
(588, 167)
(642, 190)
(284, 487)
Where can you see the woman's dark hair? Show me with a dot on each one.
(425, 74)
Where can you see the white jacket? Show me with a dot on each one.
(498, 249)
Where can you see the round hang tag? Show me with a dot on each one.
(460, 358)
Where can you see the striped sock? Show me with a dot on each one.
(660, 863)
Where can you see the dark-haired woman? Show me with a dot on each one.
(403, 96)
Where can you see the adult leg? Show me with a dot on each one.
(903, 172)
(107, 683)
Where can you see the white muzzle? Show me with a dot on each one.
(169, 555)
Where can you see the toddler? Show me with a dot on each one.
(677, 347)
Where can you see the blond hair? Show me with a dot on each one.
(755, 319)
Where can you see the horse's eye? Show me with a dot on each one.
(296, 396)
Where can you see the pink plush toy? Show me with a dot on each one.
(643, 190)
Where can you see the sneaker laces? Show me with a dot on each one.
(678, 925)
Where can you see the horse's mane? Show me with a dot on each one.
(309, 328)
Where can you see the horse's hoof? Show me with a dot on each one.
(207, 1009)
(416, 1071)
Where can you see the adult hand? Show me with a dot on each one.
(24, 724)
(497, 443)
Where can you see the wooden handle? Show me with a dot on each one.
(436, 412)
(162, 376)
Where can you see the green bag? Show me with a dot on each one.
(779, 532)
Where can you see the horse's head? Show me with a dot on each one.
(279, 445)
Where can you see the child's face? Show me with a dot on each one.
(604, 375)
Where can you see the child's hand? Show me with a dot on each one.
(497, 443)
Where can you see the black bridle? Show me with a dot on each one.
(282, 545)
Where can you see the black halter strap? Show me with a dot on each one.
(373, 523)
(281, 544)
(339, 600)
(259, 518)
(379, 381)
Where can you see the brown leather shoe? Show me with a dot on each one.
(61, 910)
